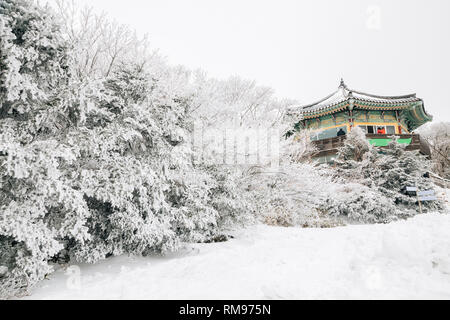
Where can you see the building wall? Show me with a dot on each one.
(327, 125)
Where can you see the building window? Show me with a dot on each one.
(326, 134)
(390, 130)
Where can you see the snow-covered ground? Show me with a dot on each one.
(407, 259)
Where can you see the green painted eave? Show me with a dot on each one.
(416, 116)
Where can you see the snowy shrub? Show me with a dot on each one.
(354, 202)
(294, 196)
(385, 171)
(229, 196)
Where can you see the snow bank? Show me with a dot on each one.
(407, 259)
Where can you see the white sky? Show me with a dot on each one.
(302, 48)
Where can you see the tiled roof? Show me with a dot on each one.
(344, 94)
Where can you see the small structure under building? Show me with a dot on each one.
(381, 117)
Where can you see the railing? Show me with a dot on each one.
(330, 146)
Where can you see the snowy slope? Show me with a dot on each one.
(407, 259)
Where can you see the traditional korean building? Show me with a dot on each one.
(331, 118)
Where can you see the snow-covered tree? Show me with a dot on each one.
(101, 44)
(355, 146)
(298, 147)
(37, 205)
(34, 68)
(236, 101)
(438, 136)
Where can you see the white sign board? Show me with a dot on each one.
(426, 193)
(428, 198)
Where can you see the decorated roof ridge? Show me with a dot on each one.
(344, 94)
(408, 96)
(320, 101)
(351, 91)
